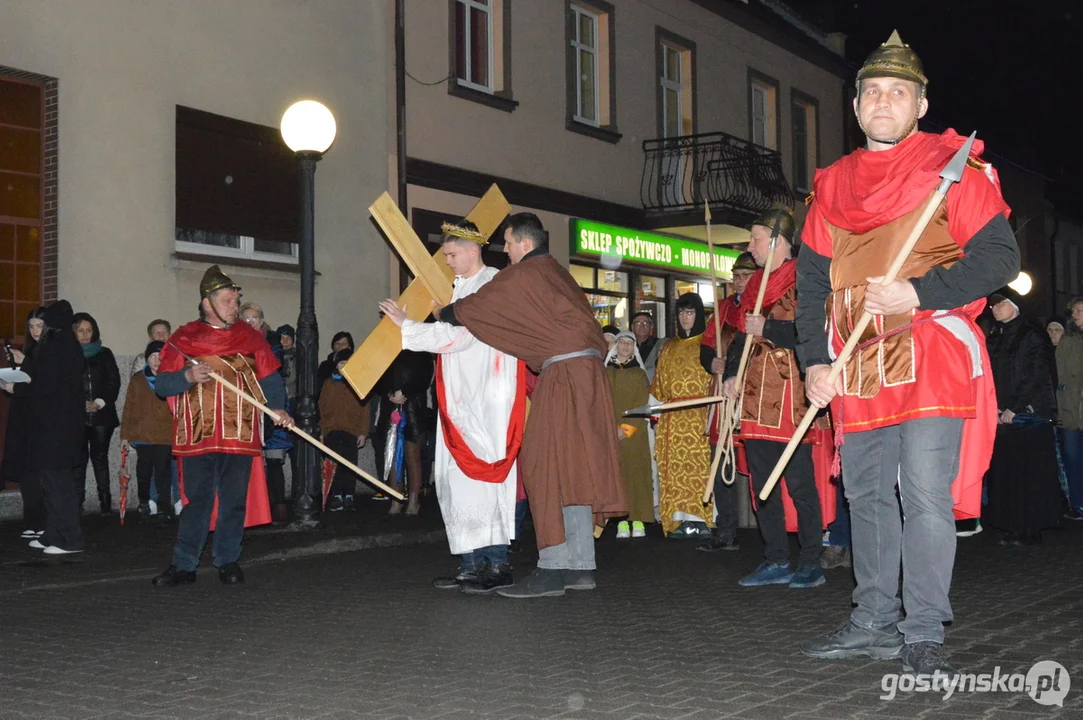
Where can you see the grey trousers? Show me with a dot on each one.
(922, 458)
(577, 550)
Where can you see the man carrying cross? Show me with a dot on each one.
(534, 310)
(482, 402)
(915, 400)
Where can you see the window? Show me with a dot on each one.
(237, 192)
(591, 77)
(481, 52)
(804, 111)
(606, 291)
(474, 46)
(22, 130)
(676, 98)
(585, 45)
(763, 110)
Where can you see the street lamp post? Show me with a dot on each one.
(308, 128)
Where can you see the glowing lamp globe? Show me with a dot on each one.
(308, 126)
(1022, 284)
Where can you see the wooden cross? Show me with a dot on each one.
(432, 283)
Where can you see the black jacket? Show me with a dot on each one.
(54, 405)
(101, 379)
(1021, 353)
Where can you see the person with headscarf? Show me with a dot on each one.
(16, 439)
(101, 385)
(681, 447)
(628, 382)
(55, 413)
(344, 422)
(610, 332)
(147, 426)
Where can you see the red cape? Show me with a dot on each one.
(199, 339)
(780, 282)
(867, 189)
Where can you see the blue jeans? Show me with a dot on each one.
(1071, 446)
(521, 507)
(840, 529)
(922, 458)
(204, 475)
(493, 556)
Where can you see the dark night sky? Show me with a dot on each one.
(1010, 69)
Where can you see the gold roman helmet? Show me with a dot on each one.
(465, 230)
(786, 224)
(215, 279)
(894, 59)
(745, 261)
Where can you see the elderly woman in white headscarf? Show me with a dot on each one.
(628, 381)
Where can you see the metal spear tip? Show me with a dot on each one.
(641, 411)
(953, 171)
(706, 211)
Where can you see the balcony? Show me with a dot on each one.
(733, 175)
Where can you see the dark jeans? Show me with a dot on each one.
(33, 507)
(345, 445)
(1071, 445)
(156, 461)
(276, 480)
(97, 438)
(493, 556)
(204, 475)
(921, 457)
(61, 510)
(840, 529)
(522, 507)
(725, 502)
(770, 514)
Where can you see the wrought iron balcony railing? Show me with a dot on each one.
(679, 173)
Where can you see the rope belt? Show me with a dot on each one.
(591, 352)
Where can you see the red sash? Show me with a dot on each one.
(468, 462)
(781, 280)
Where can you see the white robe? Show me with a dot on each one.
(479, 388)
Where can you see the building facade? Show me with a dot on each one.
(616, 123)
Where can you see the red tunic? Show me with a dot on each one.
(932, 377)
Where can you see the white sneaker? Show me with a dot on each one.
(177, 507)
(638, 530)
(54, 550)
(623, 531)
(30, 533)
(970, 533)
(153, 507)
(36, 545)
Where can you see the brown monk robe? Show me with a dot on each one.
(535, 311)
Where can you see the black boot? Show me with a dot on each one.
(105, 499)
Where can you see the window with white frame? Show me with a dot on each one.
(763, 116)
(585, 45)
(474, 44)
(805, 151)
(672, 95)
(205, 242)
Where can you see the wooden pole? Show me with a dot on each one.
(301, 433)
(866, 317)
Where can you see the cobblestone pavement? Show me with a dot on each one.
(362, 634)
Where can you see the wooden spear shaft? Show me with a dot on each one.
(866, 317)
(305, 436)
(746, 350)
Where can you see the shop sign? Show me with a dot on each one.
(616, 245)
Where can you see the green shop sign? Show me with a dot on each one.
(617, 245)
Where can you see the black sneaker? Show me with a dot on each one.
(336, 504)
(348, 502)
(451, 582)
(172, 576)
(927, 658)
(850, 641)
(231, 574)
(715, 543)
(488, 580)
(835, 556)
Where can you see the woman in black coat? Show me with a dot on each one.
(17, 438)
(101, 386)
(1023, 482)
(54, 415)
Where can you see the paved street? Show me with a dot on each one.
(668, 634)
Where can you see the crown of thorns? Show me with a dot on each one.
(464, 233)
